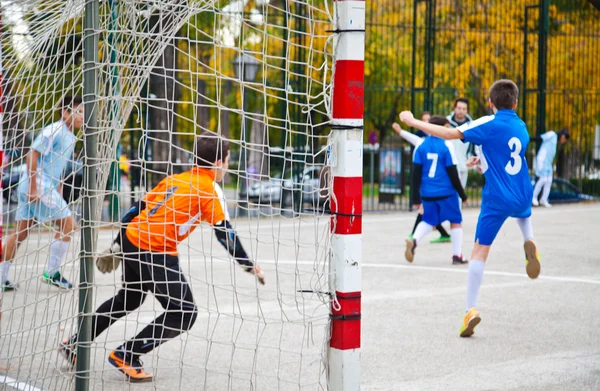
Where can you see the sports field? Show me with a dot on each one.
(534, 335)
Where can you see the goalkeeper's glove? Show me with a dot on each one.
(110, 259)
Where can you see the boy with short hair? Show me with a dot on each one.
(40, 194)
(147, 249)
(436, 185)
(503, 140)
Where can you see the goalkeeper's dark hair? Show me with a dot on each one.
(504, 94)
(210, 148)
(69, 102)
(438, 120)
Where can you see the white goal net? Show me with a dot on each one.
(256, 72)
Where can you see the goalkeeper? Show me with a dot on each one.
(148, 247)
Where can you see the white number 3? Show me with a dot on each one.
(514, 164)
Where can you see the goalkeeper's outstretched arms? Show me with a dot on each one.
(228, 238)
(110, 258)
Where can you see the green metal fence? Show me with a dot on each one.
(423, 54)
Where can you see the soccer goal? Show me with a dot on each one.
(282, 82)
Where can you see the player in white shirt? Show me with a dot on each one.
(39, 193)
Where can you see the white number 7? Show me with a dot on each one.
(514, 164)
(434, 158)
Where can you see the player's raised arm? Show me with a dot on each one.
(435, 130)
(411, 138)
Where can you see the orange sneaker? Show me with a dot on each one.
(532, 259)
(471, 320)
(133, 368)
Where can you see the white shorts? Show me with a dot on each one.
(51, 206)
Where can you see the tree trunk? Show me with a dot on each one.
(258, 162)
(202, 112)
(163, 136)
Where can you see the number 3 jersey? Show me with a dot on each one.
(175, 207)
(435, 155)
(503, 141)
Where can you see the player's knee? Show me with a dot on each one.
(480, 252)
(130, 300)
(22, 235)
(190, 316)
(186, 316)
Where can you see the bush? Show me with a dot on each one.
(475, 179)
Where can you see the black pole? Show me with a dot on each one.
(525, 47)
(542, 59)
(429, 52)
(413, 78)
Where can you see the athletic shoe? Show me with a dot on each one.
(535, 203)
(9, 286)
(411, 245)
(546, 204)
(67, 349)
(532, 259)
(471, 320)
(456, 260)
(441, 239)
(57, 280)
(132, 369)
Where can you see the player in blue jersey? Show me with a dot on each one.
(436, 184)
(544, 165)
(39, 192)
(502, 139)
(416, 140)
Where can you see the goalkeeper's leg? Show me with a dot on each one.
(171, 289)
(130, 297)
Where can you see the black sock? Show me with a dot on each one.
(419, 219)
(442, 231)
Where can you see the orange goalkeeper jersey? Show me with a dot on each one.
(174, 208)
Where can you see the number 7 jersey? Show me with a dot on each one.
(174, 208)
(503, 141)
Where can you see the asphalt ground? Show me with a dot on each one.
(534, 335)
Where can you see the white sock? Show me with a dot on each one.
(422, 229)
(4, 271)
(474, 282)
(526, 228)
(456, 234)
(58, 252)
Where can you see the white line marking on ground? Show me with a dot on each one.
(413, 267)
(14, 383)
(488, 272)
(451, 270)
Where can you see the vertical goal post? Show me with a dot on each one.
(346, 158)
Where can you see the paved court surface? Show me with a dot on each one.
(534, 335)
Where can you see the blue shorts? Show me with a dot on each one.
(51, 206)
(447, 209)
(490, 221)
